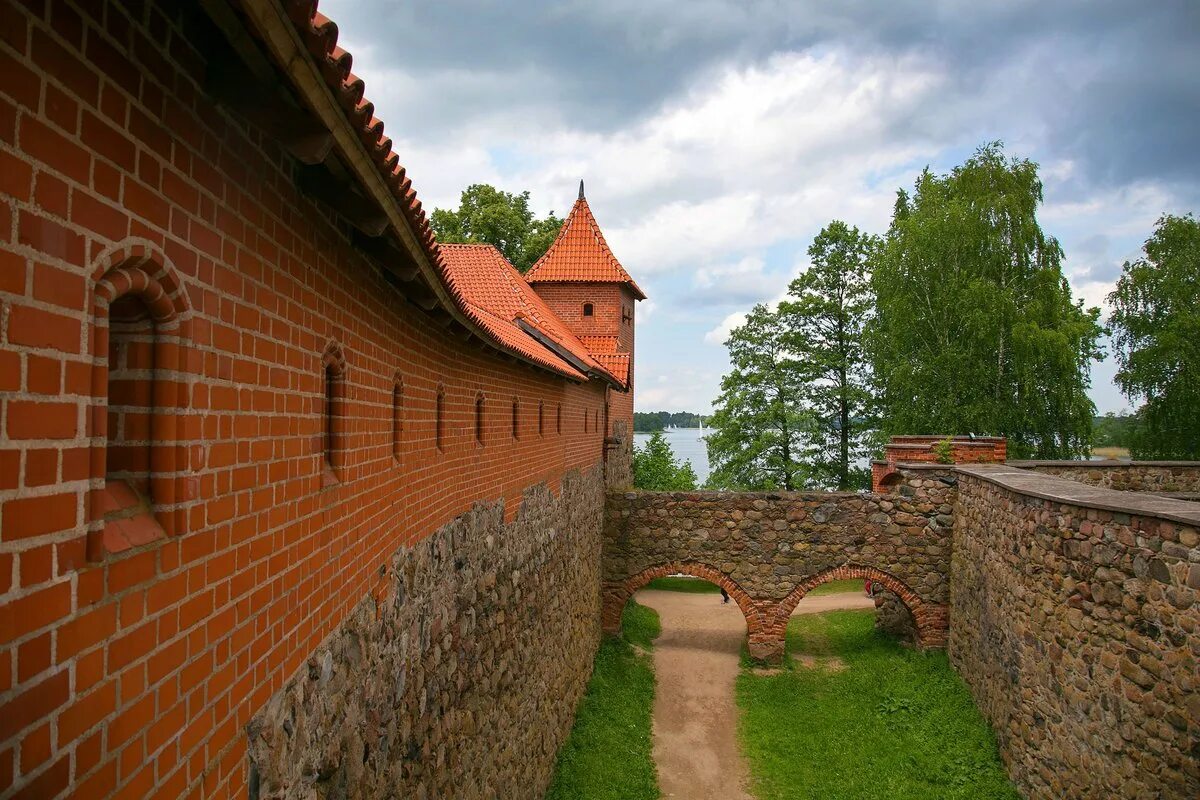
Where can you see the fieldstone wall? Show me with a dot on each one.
(618, 456)
(461, 679)
(769, 549)
(1076, 625)
(1170, 477)
(893, 617)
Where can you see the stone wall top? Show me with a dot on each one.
(1061, 490)
(1107, 463)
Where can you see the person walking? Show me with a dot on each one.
(724, 595)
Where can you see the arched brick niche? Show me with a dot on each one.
(333, 414)
(758, 614)
(931, 619)
(139, 338)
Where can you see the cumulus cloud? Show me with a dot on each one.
(718, 136)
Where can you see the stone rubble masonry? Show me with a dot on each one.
(1076, 626)
(462, 679)
(1163, 477)
(769, 549)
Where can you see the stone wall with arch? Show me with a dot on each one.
(769, 549)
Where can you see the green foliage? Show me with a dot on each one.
(608, 754)
(975, 327)
(656, 468)
(760, 424)
(650, 421)
(1156, 331)
(1114, 430)
(488, 215)
(824, 316)
(687, 585)
(894, 723)
(943, 451)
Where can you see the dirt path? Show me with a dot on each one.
(696, 662)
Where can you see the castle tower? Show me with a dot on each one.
(586, 287)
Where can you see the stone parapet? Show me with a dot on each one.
(1076, 627)
(1167, 477)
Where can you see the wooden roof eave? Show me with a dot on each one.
(290, 55)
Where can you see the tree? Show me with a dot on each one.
(828, 307)
(760, 423)
(1156, 332)
(655, 467)
(490, 216)
(975, 328)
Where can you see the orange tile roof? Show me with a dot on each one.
(483, 285)
(617, 364)
(600, 344)
(580, 254)
(499, 299)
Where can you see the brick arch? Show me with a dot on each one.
(617, 595)
(137, 268)
(931, 620)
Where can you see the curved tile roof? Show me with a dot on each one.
(483, 284)
(580, 254)
(502, 300)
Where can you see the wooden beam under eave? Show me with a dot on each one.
(390, 258)
(340, 196)
(241, 78)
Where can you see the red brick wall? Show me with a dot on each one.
(135, 674)
(919, 449)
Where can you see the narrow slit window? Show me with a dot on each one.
(439, 423)
(330, 411)
(541, 419)
(516, 431)
(479, 418)
(585, 420)
(558, 418)
(588, 309)
(397, 418)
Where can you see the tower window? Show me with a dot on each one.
(626, 314)
(588, 309)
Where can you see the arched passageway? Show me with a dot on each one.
(758, 614)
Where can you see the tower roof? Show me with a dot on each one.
(580, 254)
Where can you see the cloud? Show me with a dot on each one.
(718, 136)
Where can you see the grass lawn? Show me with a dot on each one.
(893, 723)
(608, 755)
(676, 584)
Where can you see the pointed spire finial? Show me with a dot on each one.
(580, 188)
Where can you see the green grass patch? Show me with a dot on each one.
(700, 586)
(679, 584)
(608, 754)
(893, 723)
(838, 587)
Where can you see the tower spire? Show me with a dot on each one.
(581, 188)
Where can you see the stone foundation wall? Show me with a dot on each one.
(461, 677)
(1075, 623)
(1174, 477)
(618, 458)
(893, 617)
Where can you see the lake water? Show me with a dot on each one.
(687, 445)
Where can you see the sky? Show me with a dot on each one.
(717, 137)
